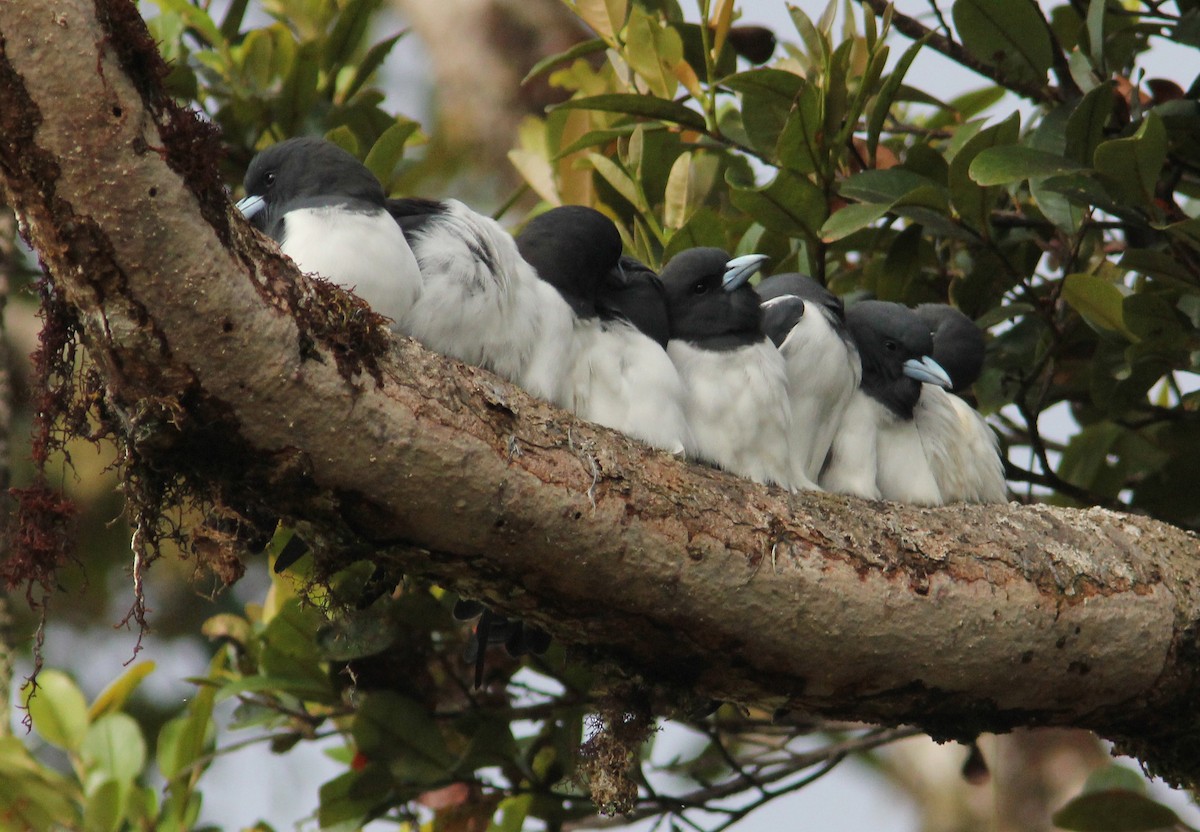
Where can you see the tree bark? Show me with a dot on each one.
(231, 369)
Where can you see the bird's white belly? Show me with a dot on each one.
(962, 450)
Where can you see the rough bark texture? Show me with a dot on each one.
(230, 367)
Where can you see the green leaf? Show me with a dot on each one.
(768, 96)
(348, 32)
(105, 807)
(1095, 31)
(1012, 36)
(1115, 810)
(388, 150)
(113, 697)
(621, 181)
(389, 727)
(606, 17)
(885, 186)
(887, 93)
(579, 50)
(974, 202)
(1007, 165)
(1135, 163)
(789, 204)
(653, 50)
(58, 710)
(348, 801)
(851, 218)
(115, 746)
(1085, 127)
(1099, 301)
(197, 19)
(510, 814)
(802, 145)
(370, 62)
(644, 106)
(181, 741)
(688, 185)
(1084, 460)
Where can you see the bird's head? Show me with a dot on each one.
(958, 344)
(709, 299)
(573, 248)
(303, 171)
(895, 346)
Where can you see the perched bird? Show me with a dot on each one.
(480, 301)
(962, 450)
(734, 378)
(633, 291)
(877, 451)
(807, 322)
(619, 376)
(328, 213)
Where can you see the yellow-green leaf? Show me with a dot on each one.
(58, 710)
(113, 697)
(1098, 301)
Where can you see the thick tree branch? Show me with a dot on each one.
(229, 368)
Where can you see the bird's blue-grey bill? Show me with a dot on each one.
(251, 205)
(927, 371)
(739, 269)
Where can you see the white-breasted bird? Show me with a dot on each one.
(480, 301)
(328, 213)
(877, 451)
(807, 322)
(963, 451)
(734, 378)
(619, 376)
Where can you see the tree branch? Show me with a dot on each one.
(914, 29)
(232, 371)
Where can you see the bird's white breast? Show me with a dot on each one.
(823, 372)
(737, 408)
(962, 450)
(361, 251)
(482, 303)
(624, 380)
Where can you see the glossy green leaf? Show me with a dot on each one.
(606, 17)
(885, 186)
(1099, 301)
(388, 150)
(58, 710)
(972, 201)
(789, 204)
(115, 746)
(1135, 163)
(886, 96)
(1084, 460)
(348, 801)
(618, 178)
(397, 730)
(370, 62)
(1085, 127)
(691, 179)
(1097, 10)
(803, 146)
(653, 50)
(851, 218)
(510, 814)
(352, 21)
(768, 96)
(1013, 36)
(1007, 165)
(113, 697)
(197, 19)
(1115, 810)
(644, 106)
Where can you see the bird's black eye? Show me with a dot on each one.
(269, 179)
(890, 346)
(700, 289)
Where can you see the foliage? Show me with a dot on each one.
(1065, 229)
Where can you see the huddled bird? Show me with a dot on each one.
(877, 451)
(781, 385)
(734, 378)
(619, 376)
(963, 452)
(807, 323)
(480, 301)
(328, 213)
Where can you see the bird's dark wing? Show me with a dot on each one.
(780, 314)
(633, 292)
(413, 213)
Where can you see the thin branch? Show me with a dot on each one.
(916, 30)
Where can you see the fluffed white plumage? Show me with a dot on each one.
(877, 451)
(623, 380)
(963, 451)
(737, 407)
(823, 367)
(618, 376)
(482, 303)
(360, 251)
(328, 213)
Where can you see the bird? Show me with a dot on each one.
(480, 301)
(328, 213)
(963, 451)
(734, 378)
(877, 452)
(807, 323)
(619, 377)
